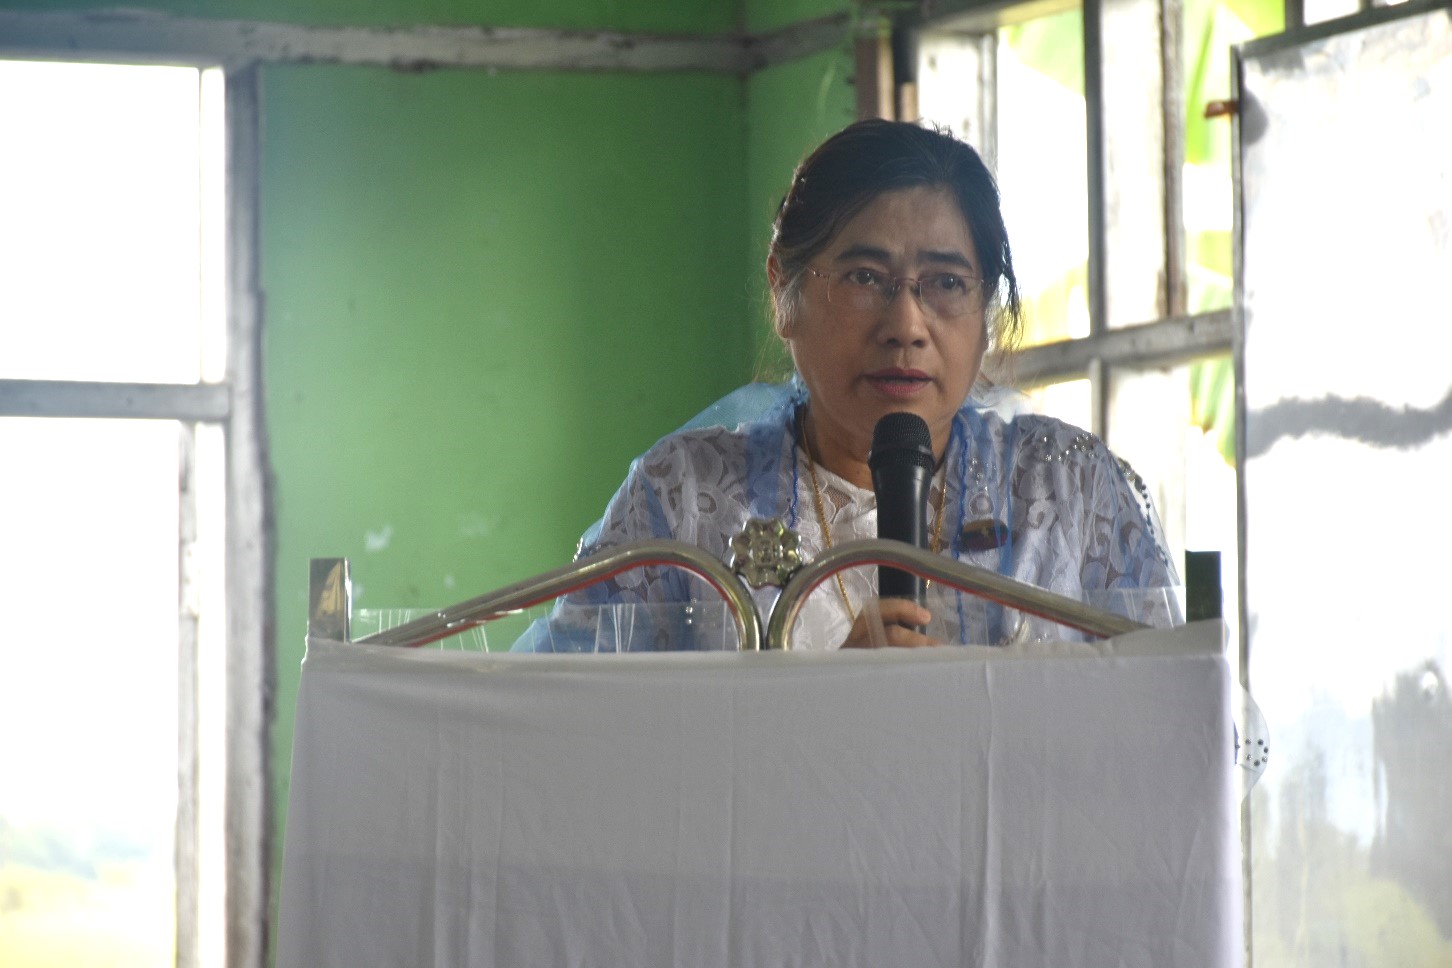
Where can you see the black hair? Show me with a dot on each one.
(864, 160)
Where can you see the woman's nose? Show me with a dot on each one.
(903, 320)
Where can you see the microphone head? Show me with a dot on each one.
(901, 438)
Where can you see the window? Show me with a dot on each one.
(124, 453)
(1345, 840)
(1117, 193)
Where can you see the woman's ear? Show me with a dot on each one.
(773, 271)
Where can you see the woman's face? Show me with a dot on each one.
(860, 359)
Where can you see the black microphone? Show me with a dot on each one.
(902, 468)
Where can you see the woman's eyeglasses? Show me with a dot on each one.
(945, 295)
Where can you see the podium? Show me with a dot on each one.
(1064, 804)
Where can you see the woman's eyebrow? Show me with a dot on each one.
(950, 256)
(863, 251)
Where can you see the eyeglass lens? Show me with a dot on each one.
(943, 294)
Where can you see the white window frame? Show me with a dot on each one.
(234, 405)
(1173, 336)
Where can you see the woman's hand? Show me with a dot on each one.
(886, 622)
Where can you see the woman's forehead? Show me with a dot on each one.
(909, 225)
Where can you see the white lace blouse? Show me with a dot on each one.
(1077, 522)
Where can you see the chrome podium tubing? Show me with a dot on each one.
(573, 577)
(956, 574)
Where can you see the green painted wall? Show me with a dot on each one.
(770, 14)
(484, 295)
(653, 16)
(790, 109)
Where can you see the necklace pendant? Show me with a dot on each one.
(984, 534)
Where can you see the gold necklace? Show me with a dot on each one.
(827, 531)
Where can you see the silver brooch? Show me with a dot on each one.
(766, 552)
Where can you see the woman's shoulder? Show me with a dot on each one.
(1042, 440)
(1036, 437)
(697, 451)
(1056, 441)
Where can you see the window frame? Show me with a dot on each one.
(234, 405)
(1174, 335)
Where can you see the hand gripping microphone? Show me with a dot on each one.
(902, 467)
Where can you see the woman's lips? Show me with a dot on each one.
(899, 383)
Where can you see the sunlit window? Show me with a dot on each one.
(1211, 27)
(1346, 840)
(111, 530)
(1012, 82)
(1041, 171)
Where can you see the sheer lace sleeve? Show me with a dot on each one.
(1085, 525)
(1080, 526)
(1128, 549)
(689, 487)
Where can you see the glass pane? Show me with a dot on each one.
(212, 237)
(88, 696)
(100, 208)
(1348, 442)
(1318, 11)
(1210, 28)
(1175, 427)
(950, 72)
(209, 560)
(1071, 401)
(1042, 171)
(1134, 174)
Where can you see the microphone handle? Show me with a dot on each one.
(895, 583)
(902, 500)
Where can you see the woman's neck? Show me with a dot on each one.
(840, 456)
(837, 456)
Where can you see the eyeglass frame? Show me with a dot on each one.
(973, 285)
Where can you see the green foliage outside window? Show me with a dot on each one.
(1211, 26)
(1053, 46)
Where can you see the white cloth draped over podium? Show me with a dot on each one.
(1065, 805)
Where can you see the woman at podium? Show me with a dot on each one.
(891, 277)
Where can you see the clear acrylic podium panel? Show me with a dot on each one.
(1347, 186)
(708, 626)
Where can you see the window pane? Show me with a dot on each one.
(1042, 171)
(1317, 11)
(1071, 401)
(208, 576)
(88, 698)
(1211, 27)
(951, 70)
(1348, 445)
(1175, 426)
(100, 277)
(1134, 173)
